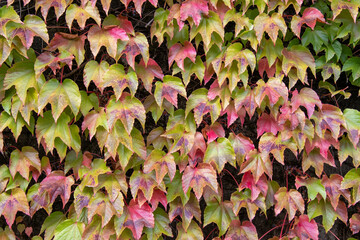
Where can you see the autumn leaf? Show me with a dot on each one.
(352, 120)
(69, 42)
(60, 95)
(90, 176)
(93, 120)
(57, 184)
(197, 178)
(306, 98)
(244, 230)
(258, 164)
(24, 161)
(267, 124)
(126, 109)
(81, 14)
(220, 152)
(248, 181)
(351, 180)
(194, 232)
(270, 25)
(173, 191)
(178, 53)
(136, 218)
(186, 211)
(242, 199)
(355, 223)
(244, 57)
(161, 225)
(304, 228)
(12, 202)
(100, 204)
(338, 5)
(300, 58)
(59, 6)
(113, 184)
(334, 190)
(147, 72)
(220, 213)
(193, 9)
(310, 16)
(52, 61)
(291, 200)
(162, 163)
(136, 45)
(95, 72)
(144, 182)
(313, 185)
(316, 160)
(169, 89)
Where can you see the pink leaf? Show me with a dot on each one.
(267, 123)
(305, 229)
(193, 9)
(179, 53)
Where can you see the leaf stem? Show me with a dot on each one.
(270, 231)
(282, 228)
(232, 176)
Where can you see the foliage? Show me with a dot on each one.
(184, 119)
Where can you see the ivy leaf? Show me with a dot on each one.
(317, 37)
(117, 78)
(50, 224)
(57, 184)
(178, 53)
(268, 124)
(313, 185)
(355, 223)
(244, 57)
(258, 164)
(193, 9)
(304, 228)
(352, 180)
(22, 76)
(193, 232)
(324, 208)
(126, 109)
(220, 213)
(147, 72)
(106, 36)
(49, 130)
(161, 225)
(213, 132)
(349, 26)
(248, 181)
(93, 120)
(169, 89)
(270, 25)
(208, 25)
(243, 200)
(198, 101)
(99, 204)
(173, 191)
(59, 6)
(23, 161)
(95, 72)
(113, 184)
(90, 177)
(333, 189)
(69, 42)
(52, 61)
(353, 65)
(330, 117)
(186, 211)
(347, 149)
(338, 5)
(137, 44)
(81, 14)
(300, 58)
(290, 200)
(60, 95)
(220, 152)
(352, 119)
(138, 217)
(306, 98)
(198, 177)
(276, 145)
(11, 203)
(274, 89)
(144, 182)
(244, 230)
(69, 229)
(317, 160)
(310, 16)
(162, 163)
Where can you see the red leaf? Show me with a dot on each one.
(267, 123)
(193, 9)
(322, 143)
(244, 230)
(307, 98)
(231, 113)
(57, 184)
(118, 33)
(186, 211)
(248, 181)
(263, 66)
(305, 229)
(333, 189)
(198, 177)
(310, 17)
(258, 164)
(214, 131)
(242, 146)
(198, 150)
(274, 89)
(179, 53)
(138, 217)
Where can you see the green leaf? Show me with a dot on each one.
(95, 72)
(313, 185)
(353, 65)
(21, 161)
(352, 180)
(50, 224)
(193, 232)
(69, 229)
(22, 76)
(161, 226)
(49, 130)
(220, 152)
(173, 191)
(317, 37)
(60, 95)
(220, 213)
(81, 14)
